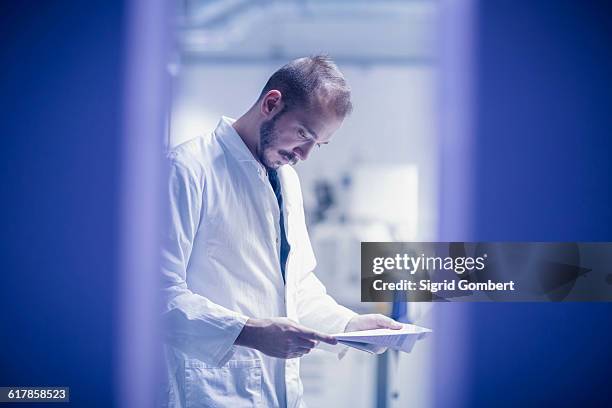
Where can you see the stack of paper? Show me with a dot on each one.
(372, 340)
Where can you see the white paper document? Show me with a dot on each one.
(369, 340)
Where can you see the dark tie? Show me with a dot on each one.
(285, 248)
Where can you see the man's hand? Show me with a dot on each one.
(280, 337)
(372, 321)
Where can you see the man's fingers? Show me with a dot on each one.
(306, 343)
(324, 338)
(385, 322)
(312, 335)
(297, 353)
(380, 350)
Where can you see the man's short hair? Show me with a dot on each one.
(304, 82)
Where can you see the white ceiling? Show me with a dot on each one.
(392, 32)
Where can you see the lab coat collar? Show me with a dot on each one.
(232, 140)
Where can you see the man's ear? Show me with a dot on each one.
(271, 103)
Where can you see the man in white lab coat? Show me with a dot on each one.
(242, 303)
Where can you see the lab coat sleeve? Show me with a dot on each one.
(315, 307)
(193, 324)
(318, 310)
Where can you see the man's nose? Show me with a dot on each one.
(303, 151)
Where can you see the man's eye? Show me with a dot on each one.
(302, 134)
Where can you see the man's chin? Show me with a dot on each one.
(272, 165)
(276, 162)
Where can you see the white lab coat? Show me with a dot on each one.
(220, 264)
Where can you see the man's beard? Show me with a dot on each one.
(267, 140)
(267, 135)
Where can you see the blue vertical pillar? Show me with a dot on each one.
(542, 158)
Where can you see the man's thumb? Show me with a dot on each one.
(388, 323)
